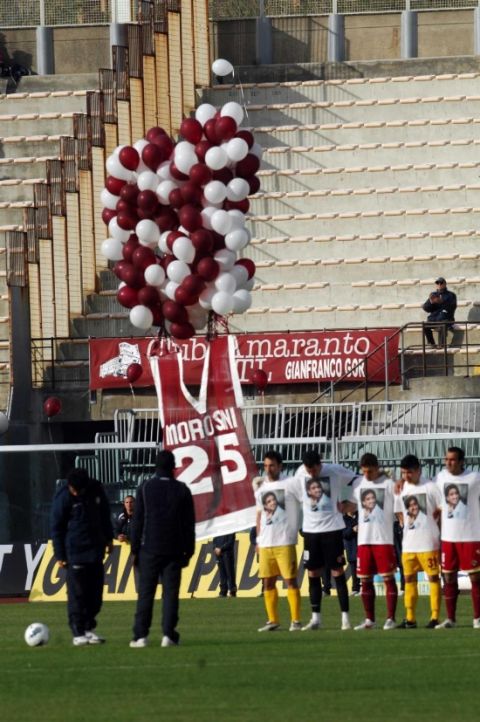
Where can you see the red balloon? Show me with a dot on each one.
(142, 257)
(129, 157)
(191, 193)
(124, 206)
(52, 406)
(200, 174)
(166, 261)
(129, 193)
(193, 284)
(131, 275)
(191, 130)
(260, 379)
(129, 247)
(114, 185)
(166, 219)
(249, 265)
(218, 241)
(201, 149)
(175, 198)
(248, 166)
(147, 200)
(127, 220)
(157, 315)
(174, 312)
(239, 205)
(182, 331)
(185, 298)
(254, 184)
(165, 144)
(107, 215)
(202, 240)
(127, 297)
(208, 269)
(190, 217)
(153, 155)
(210, 131)
(148, 296)
(224, 175)
(177, 174)
(225, 128)
(134, 371)
(246, 136)
(154, 132)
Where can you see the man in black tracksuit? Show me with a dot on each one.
(81, 532)
(224, 550)
(162, 542)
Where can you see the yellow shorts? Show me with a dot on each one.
(428, 562)
(277, 561)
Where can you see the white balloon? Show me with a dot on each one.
(205, 298)
(108, 200)
(185, 161)
(216, 158)
(225, 282)
(222, 67)
(237, 189)
(183, 249)
(139, 145)
(154, 275)
(225, 259)
(116, 232)
(115, 168)
(221, 222)
(163, 191)
(242, 300)
(222, 303)
(215, 191)
(148, 232)
(249, 284)
(207, 214)
(238, 218)
(148, 181)
(141, 317)
(234, 110)
(163, 171)
(3, 422)
(237, 239)
(170, 288)
(257, 150)
(177, 271)
(237, 149)
(162, 243)
(240, 274)
(182, 148)
(197, 316)
(112, 249)
(205, 112)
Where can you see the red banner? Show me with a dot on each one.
(287, 358)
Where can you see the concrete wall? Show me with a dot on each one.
(371, 37)
(445, 33)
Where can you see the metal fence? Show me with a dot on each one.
(30, 13)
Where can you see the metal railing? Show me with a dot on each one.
(31, 13)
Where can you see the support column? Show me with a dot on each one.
(476, 31)
(336, 38)
(263, 40)
(118, 35)
(409, 34)
(45, 51)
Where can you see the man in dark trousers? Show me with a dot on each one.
(440, 306)
(81, 532)
(224, 550)
(162, 543)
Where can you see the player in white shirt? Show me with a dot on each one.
(374, 498)
(417, 507)
(460, 531)
(277, 531)
(318, 489)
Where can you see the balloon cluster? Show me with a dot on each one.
(176, 221)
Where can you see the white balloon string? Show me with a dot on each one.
(50, 435)
(242, 94)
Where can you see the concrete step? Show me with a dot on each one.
(104, 302)
(104, 324)
(32, 124)
(18, 190)
(342, 90)
(49, 83)
(65, 101)
(13, 214)
(22, 168)
(29, 146)
(419, 128)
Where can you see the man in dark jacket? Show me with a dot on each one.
(81, 532)
(440, 306)
(162, 542)
(224, 550)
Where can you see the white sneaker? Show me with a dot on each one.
(476, 623)
(269, 627)
(390, 624)
(447, 624)
(80, 641)
(94, 638)
(367, 624)
(346, 625)
(167, 642)
(139, 643)
(311, 626)
(295, 627)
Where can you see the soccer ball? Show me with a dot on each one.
(37, 634)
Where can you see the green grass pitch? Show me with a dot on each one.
(225, 671)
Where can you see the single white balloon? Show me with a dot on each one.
(215, 191)
(242, 300)
(163, 191)
(222, 67)
(148, 181)
(225, 282)
(108, 200)
(115, 168)
(225, 259)
(177, 271)
(222, 303)
(205, 112)
(147, 231)
(237, 239)
(170, 289)
(154, 275)
(115, 231)
(112, 248)
(234, 110)
(216, 158)
(237, 149)
(221, 222)
(237, 189)
(183, 249)
(141, 317)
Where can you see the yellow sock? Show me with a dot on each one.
(411, 598)
(435, 598)
(293, 596)
(270, 597)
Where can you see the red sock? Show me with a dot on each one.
(391, 592)
(450, 594)
(476, 596)
(368, 599)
